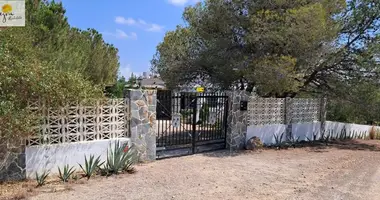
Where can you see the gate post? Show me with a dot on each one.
(237, 120)
(288, 117)
(143, 122)
(322, 114)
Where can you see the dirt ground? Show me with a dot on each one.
(341, 171)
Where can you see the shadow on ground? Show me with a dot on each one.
(355, 145)
(319, 147)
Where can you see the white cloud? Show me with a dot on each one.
(151, 27)
(155, 28)
(125, 71)
(122, 20)
(182, 2)
(122, 35)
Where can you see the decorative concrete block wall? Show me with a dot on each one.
(12, 162)
(143, 122)
(237, 120)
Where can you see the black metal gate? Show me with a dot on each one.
(189, 123)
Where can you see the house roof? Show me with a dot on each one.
(152, 81)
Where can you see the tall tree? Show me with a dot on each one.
(279, 48)
(49, 60)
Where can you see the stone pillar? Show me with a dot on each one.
(12, 161)
(143, 122)
(237, 120)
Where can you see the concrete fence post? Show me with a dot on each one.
(322, 113)
(288, 117)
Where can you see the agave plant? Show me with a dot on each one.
(66, 173)
(119, 158)
(292, 141)
(41, 178)
(278, 140)
(313, 139)
(325, 138)
(90, 166)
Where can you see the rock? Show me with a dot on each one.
(254, 143)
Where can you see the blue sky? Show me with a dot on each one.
(135, 27)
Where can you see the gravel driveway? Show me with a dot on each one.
(309, 173)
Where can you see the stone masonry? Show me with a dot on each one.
(12, 162)
(143, 122)
(237, 120)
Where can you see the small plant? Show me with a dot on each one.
(292, 141)
(66, 174)
(90, 166)
(325, 138)
(278, 140)
(119, 158)
(75, 177)
(41, 179)
(313, 139)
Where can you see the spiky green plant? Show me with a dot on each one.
(90, 166)
(313, 139)
(325, 138)
(66, 173)
(293, 141)
(41, 178)
(119, 158)
(278, 140)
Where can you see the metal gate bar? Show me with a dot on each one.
(191, 120)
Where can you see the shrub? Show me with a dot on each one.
(41, 179)
(119, 158)
(66, 174)
(293, 141)
(278, 140)
(90, 166)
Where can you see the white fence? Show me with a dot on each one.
(298, 117)
(101, 119)
(303, 131)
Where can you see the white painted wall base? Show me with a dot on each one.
(266, 132)
(50, 157)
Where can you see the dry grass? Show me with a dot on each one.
(28, 188)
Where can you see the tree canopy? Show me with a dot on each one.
(274, 47)
(52, 61)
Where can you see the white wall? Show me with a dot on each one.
(306, 130)
(266, 132)
(50, 157)
(336, 128)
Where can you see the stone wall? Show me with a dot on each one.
(237, 120)
(143, 122)
(12, 162)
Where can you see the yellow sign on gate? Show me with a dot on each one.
(200, 89)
